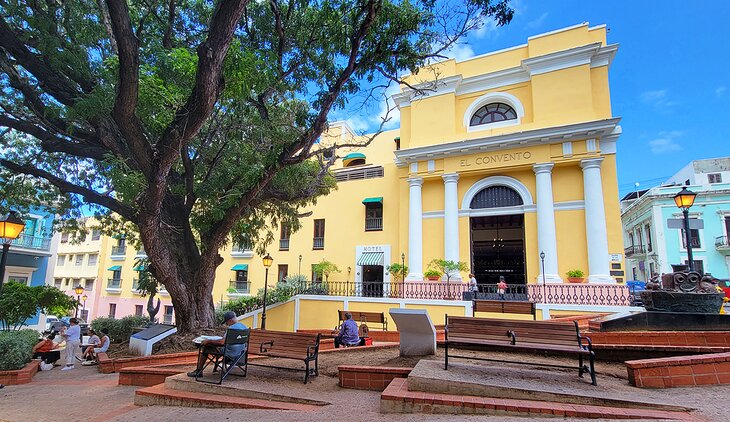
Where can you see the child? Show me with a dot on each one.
(501, 287)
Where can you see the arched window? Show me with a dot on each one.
(492, 113)
(353, 159)
(496, 197)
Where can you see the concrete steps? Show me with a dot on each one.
(397, 398)
(162, 395)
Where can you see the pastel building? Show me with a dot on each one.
(497, 159)
(651, 246)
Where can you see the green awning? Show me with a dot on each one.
(371, 258)
(240, 267)
(353, 156)
(374, 200)
(115, 268)
(140, 268)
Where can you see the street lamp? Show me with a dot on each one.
(268, 260)
(403, 259)
(84, 298)
(542, 260)
(78, 290)
(300, 264)
(10, 228)
(684, 200)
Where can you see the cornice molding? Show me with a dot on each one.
(550, 135)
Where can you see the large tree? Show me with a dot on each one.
(193, 122)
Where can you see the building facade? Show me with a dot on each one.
(498, 158)
(652, 246)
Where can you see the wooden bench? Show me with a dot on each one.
(366, 318)
(520, 336)
(286, 345)
(503, 307)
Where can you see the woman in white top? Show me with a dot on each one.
(72, 334)
(94, 341)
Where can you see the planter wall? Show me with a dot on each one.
(20, 376)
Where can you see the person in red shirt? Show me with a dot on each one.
(44, 350)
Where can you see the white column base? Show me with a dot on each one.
(455, 277)
(605, 279)
(414, 277)
(549, 278)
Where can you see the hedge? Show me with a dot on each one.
(16, 348)
(119, 329)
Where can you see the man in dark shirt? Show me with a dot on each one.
(348, 335)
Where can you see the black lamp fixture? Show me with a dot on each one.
(268, 260)
(84, 298)
(78, 290)
(10, 228)
(684, 199)
(542, 261)
(300, 264)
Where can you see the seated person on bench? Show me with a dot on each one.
(348, 335)
(46, 350)
(216, 346)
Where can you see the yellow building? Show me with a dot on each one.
(497, 159)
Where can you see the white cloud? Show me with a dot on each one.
(537, 23)
(459, 52)
(358, 124)
(487, 30)
(388, 110)
(659, 99)
(666, 142)
(720, 91)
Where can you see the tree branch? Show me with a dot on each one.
(52, 143)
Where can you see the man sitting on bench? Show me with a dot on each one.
(216, 346)
(348, 335)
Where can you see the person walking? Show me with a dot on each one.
(72, 334)
(501, 288)
(473, 287)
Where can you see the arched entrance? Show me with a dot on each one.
(497, 228)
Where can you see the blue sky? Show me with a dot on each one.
(669, 81)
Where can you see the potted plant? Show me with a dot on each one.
(432, 275)
(575, 276)
(448, 268)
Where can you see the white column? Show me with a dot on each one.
(546, 234)
(415, 231)
(598, 265)
(451, 220)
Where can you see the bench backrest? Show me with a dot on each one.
(263, 342)
(538, 332)
(366, 317)
(504, 307)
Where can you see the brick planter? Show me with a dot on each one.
(107, 366)
(369, 377)
(20, 376)
(682, 371)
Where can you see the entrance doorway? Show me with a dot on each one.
(372, 280)
(498, 248)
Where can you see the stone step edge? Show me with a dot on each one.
(397, 390)
(194, 399)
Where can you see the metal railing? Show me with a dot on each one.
(374, 223)
(32, 242)
(114, 283)
(634, 250)
(119, 250)
(722, 242)
(283, 244)
(695, 242)
(318, 243)
(243, 287)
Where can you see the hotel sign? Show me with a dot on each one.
(492, 159)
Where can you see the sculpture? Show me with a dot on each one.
(683, 291)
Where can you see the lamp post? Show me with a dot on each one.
(83, 309)
(300, 264)
(268, 260)
(684, 200)
(10, 228)
(542, 260)
(78, 290)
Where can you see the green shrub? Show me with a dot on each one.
(16, 348)
(119, 329)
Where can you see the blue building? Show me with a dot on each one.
(30, 256)
(651, 246)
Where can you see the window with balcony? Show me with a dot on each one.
(240, 284)
(714, 178)
(168, 316)
(373, 214)
(649, 245)
(95, 234)
(138, 310)
(115, 282)
(112, 310)
(283, 272)
(89, 284)
(64, 237)
(694, 238)
(244, 247)
(318, 242)
(57, 282)
(93, 259)
(79, 260)
(82, 236)
(76, 282)
(61, 260)
(284, 237)
(121, 247)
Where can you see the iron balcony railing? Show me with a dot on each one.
(634, 250)
(695, 242)
(240, 249)
(32, 242)
(114, 283)
(242, 287)
(318, 243)
(119, 250)
(576, 294)
(722, 242)
(283, 244)
(373, 223)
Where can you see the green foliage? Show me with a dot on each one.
(432, 273)
(16, 348)
(148, 284)
(19, 302)
(398, 271)
(294, 285)
(448, 268)
(119, 329)
(325, 268)
(575, 273)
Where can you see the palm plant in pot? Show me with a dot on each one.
(575, 276)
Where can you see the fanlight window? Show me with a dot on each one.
(495, 197)
(492, 113)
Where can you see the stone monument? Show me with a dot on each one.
(417, 333)
(683, 291)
